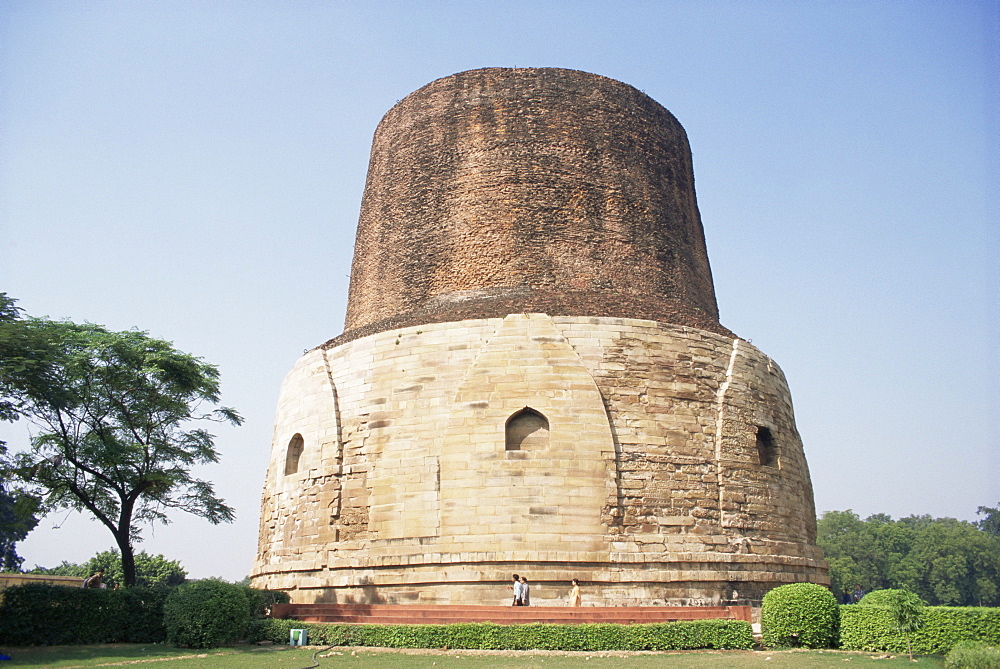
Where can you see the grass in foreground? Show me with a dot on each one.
(280, 657)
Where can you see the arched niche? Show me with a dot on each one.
(294, 452)
(526, 430)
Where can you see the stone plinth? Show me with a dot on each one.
(652, 483)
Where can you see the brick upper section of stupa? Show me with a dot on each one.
(529, 190)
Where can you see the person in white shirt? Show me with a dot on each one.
(518, 591)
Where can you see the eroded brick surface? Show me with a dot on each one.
(500, 190)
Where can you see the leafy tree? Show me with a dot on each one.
(17, 518)
(64, 569)
(943, 560)
(991, 523)
(18, 510)
(150, 570)
(13, 360)
(905, 609)
(114, 412)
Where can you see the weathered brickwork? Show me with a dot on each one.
(529, 190)
(533, 377)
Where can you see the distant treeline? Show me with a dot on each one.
(151, 570)
(947, 562)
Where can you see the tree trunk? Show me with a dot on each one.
(128, 558)
(124, 537)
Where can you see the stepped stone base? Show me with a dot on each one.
(743, 580)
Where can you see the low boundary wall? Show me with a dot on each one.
(388, 614)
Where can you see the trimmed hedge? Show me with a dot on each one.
(972, 655)
(802, 615)
(37, 614)
(208, 613)
(869, 628)
(40, 614)
(715, 634)
(49, 615)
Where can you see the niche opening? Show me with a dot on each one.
(765, 446)
(527, 429)
(295, 446)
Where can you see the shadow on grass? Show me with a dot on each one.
(129, 655)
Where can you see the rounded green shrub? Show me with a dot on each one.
(206, 613)
(799, 615)
(881, 597)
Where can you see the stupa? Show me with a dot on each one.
(533, 377)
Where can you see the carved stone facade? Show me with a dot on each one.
(490, 410)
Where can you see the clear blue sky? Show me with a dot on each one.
(195, 169)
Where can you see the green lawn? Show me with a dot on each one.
(280, 657)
